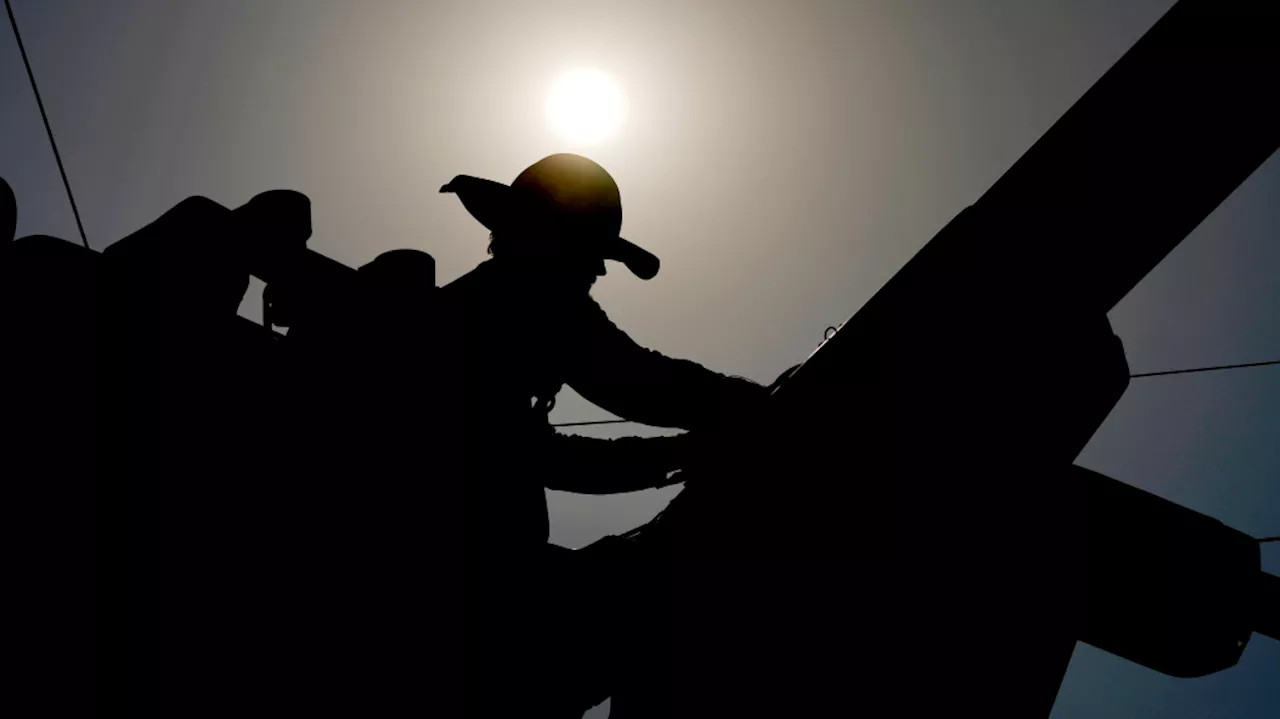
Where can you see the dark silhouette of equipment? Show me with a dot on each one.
(244, 518)
(910, 504)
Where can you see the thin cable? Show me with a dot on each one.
(1269, 539)
(1132, 376)
(13, 21)
(1205, 369)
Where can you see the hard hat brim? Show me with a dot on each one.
(494, 205)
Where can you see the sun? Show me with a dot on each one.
(585, 106)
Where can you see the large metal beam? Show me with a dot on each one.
(1123, 177)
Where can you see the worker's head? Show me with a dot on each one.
(560, 217)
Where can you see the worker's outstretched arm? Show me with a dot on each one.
(589, 465)
(612, 371)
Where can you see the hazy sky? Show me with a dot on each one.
(783, 158)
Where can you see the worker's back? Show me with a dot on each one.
(506, 341)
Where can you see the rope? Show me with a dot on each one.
(1205, 369)
(13, 21)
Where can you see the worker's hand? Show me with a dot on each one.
(665, 453)
(683, 449)
(675, 477)
(783, 377)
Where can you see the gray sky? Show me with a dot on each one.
(783, 158)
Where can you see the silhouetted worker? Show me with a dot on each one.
(529, 326)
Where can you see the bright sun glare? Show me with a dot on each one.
(585, 106)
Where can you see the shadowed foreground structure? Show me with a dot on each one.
(304, 564)
(969, 384)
